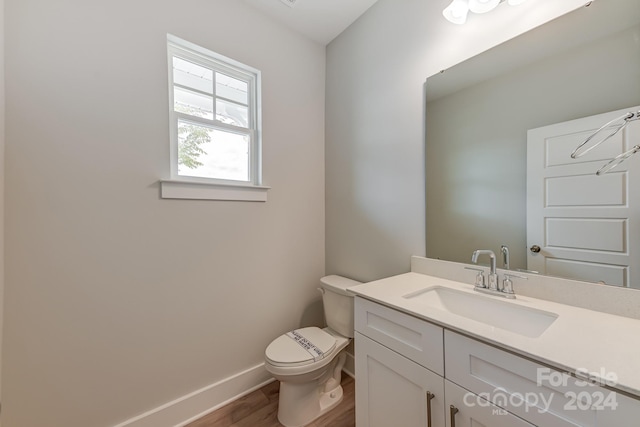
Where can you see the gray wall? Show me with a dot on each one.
(117, 301)
(375, 174)
(374, 156)
(477, 141)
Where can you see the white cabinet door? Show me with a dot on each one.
(394, 391)
(465, 409)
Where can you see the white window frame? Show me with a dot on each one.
(186, 187)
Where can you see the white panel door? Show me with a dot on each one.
(585, 225)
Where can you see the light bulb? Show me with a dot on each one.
(482, 6)
(457, 11)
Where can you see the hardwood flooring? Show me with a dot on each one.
(260, 409)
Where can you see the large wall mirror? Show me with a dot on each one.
(479, 114)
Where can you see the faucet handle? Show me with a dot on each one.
(479, 276)
(507, 284)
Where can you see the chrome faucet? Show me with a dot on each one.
(492, 286)
(493, 276)
(505, 257)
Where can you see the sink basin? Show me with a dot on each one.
(526, 321)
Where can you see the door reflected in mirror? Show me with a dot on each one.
(478, 114)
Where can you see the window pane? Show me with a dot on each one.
(210, 153)
(230, 88)
(192, 103)
(233, 114)
(188, 74)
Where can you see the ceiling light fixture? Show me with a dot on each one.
(458, 10)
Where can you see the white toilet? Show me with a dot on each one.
(308, 361)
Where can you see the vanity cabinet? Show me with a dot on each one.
(413, 373)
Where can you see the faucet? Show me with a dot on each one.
(493, 288)
(505, 256)
(493, 276)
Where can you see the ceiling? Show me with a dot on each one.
(320, 20)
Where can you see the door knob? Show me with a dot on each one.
(535, 249)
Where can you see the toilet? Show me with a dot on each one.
(308, 361)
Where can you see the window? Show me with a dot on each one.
(214, 110)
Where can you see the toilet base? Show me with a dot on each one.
(302, 403)
(302, 415)
(330, 400)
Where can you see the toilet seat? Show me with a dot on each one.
(300, 347)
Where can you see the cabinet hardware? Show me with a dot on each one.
(452, 414)
(429, 397)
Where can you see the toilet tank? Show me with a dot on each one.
(338, 303)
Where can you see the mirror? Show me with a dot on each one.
(478, 113)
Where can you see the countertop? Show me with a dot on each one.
(602, 344)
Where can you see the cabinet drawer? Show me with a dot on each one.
(543, 396)
(414, 338)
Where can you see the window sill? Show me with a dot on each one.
(191, 190)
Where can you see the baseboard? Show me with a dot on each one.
(197, 404)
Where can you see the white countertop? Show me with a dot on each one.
(600, 343)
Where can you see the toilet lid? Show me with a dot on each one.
(300, 347)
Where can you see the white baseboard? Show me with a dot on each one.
(199, 403)
(188, 408)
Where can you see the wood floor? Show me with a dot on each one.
(260, 409)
